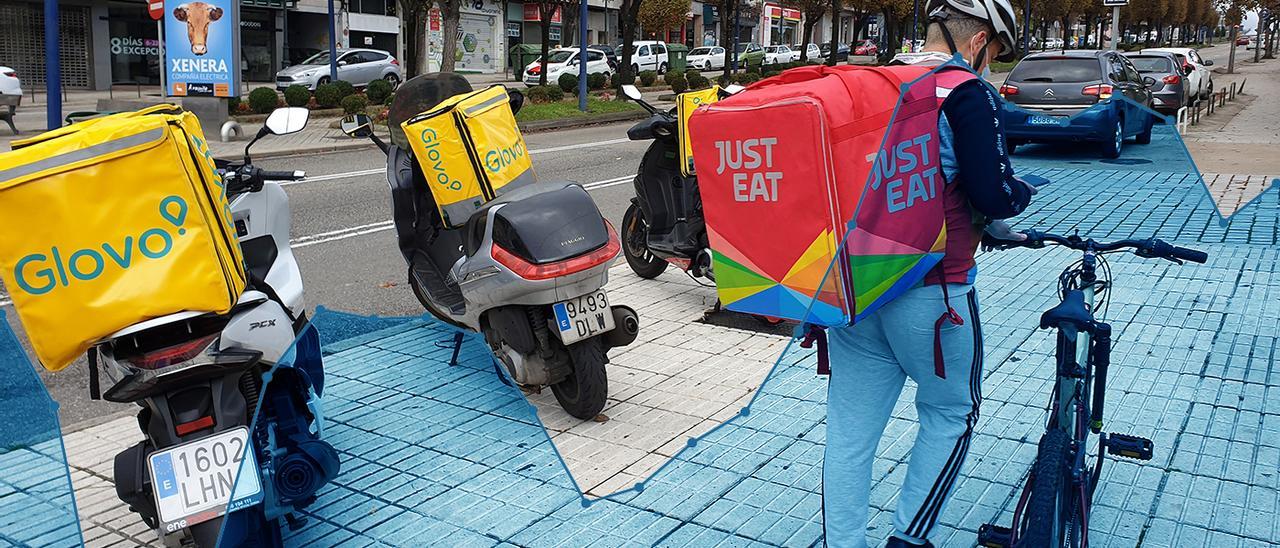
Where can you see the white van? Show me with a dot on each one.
(649, 55)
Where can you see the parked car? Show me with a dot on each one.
(706, 58)
(565, 60)
(813, 53)
(1196, 69)
(1075, 96)
(1170, 91)
(749, 55)
(777, 55)
(1053, 43)
(9, 83)
(1242, 41)
(610, 54)
(842, 52)
(648, 55)
(357, 66)
(866, 47)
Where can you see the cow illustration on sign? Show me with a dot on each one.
(197, 16)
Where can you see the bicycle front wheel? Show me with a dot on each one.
(1049, 511)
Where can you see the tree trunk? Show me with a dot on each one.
(1271, 42)
(627, 26)
(807, 35)
(408, 24)
(728, 10)
(835, 33)
(451, 12)
(545, 26)
(1231, 56)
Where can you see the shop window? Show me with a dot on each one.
(372, 7)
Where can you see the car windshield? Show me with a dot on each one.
(700, 51)
(742, 47)
(321, 58)
(1057, 69)
(1152, 64)
(772, 49)
(559, 56)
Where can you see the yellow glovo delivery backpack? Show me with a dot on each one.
(111, 222)
(470, 150)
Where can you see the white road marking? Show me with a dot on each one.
(342, 234)
(377, 170)
(4, 301)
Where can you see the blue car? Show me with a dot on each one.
(1077, 96)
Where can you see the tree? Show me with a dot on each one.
(1232, 14)
(813, 11)
(628, 13)
(728, 11)
(413, 22)
(659, 16)
(546, 11)
(451, 12)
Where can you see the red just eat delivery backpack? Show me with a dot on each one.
(820, 166)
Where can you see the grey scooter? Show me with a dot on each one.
(526, 270)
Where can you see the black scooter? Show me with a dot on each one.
(664, 223)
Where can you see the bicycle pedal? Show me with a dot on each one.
(994, 536)
(1124, 445)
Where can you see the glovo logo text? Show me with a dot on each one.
(496, 160)
(40, 273)
(435, 158)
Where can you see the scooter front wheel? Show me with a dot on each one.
(634, 233)
(583, 393)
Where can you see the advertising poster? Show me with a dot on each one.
(200, 52)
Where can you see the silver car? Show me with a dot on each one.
(357, 66)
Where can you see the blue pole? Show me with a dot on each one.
(52, 66)
(333, 44)
(1026, 30)
(582, 55)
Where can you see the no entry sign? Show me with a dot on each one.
(155, 8)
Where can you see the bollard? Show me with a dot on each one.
(1240, 90)
(231, 131)
(1233, 91)
(1181, 120)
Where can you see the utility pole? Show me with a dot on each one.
(582, 54)
(52, 67)
(1026, 29)
(1115, 6)
(333, 44)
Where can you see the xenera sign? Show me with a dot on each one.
(200, 48)
(1115, 3)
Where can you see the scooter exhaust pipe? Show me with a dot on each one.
(627, 326)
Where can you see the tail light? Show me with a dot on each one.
(535, 69)
(1008, 89)
(197, 425)
(169, 355)
(1172, 79)
(1101, 91)
(394, 62)
(10, 74)
(530, 271)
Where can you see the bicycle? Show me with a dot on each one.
(1053, 510)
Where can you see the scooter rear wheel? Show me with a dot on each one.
(584, 392)
(634, 232)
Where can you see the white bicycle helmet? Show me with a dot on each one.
(998, 13)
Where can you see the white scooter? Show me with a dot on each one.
(527, 270)
(198, 378)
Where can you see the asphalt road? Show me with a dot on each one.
(345, 244)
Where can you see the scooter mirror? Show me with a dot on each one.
(733, 88)
(283, 121)
(357, 125)
(632, 92)
(516, 100)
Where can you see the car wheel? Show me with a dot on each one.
(1113, 147)
(392, 79)
(1144, 138)
(706, 66)
(635, 70)
(662, 69)
(1209, 92)
(322, 81)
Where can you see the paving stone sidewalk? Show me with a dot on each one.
(450, 455)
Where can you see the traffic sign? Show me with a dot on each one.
(1115, 3)
(155, 8)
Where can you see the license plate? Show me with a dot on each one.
(583, 317)
(1045, 120)
(193, 482)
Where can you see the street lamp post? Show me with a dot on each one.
(582, 54)
(333, 45)
(1026, 29)
(52, 67)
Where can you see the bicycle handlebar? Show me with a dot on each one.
(1154, 248)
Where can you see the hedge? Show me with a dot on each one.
(263, 100)
(297, 95)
